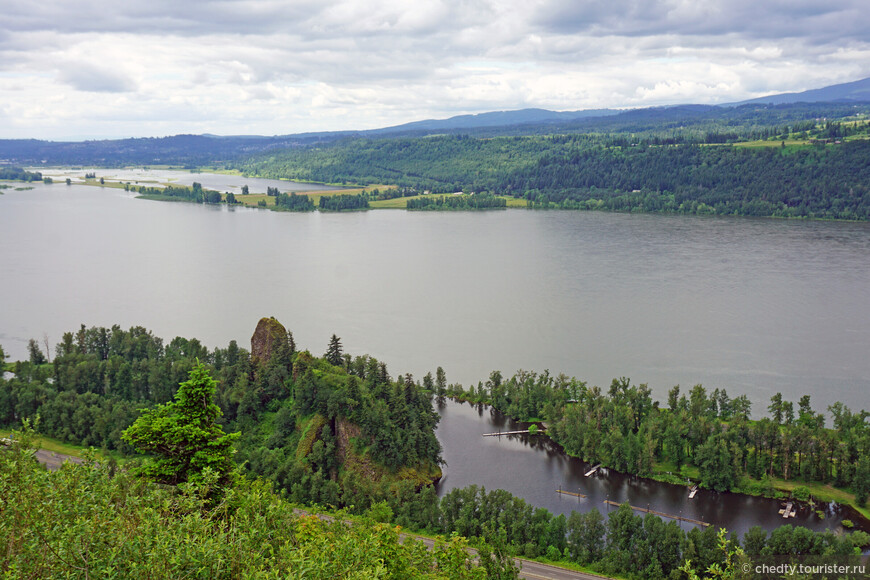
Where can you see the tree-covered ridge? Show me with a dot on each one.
(672, 124)
(829, 182)
(436, 164)
(303, 419)
(625, 429)
(614, 172)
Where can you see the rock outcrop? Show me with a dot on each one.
(268, 335)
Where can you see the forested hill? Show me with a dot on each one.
(583, 172)
(186, 150)
(685, 123)
(310, 423)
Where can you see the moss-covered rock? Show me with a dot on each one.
(266, 338)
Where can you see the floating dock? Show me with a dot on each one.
(564, 492)
(660, 514)
(591, 471)
(500, 433)
(693, 491)
(789, 511)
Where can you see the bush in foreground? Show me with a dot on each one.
(81, 522)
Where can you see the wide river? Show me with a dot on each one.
(752, 306)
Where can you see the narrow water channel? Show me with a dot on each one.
(534, 468)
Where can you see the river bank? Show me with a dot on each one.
(534, 467)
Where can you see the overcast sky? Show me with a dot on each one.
(139, 68)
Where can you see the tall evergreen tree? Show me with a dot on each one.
(333, 351)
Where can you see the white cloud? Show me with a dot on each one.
(155, 67)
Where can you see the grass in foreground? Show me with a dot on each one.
(82, 522)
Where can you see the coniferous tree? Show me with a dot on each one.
(333, 351)
(184, 435)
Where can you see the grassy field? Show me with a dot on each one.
(793, 142)
(107, 183)
(402, 202)
(162, 198)
(396, 203)
(775, 143)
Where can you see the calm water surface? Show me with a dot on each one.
(533, 467)
(752, 306)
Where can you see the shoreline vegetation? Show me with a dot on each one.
(380, 196)
(722, 450)
(336, 430)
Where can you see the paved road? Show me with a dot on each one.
(537, 571)
(54, 460)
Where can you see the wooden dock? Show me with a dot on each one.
(500, 433)
(565, 492)
(789, 511)
(693, 491)
(591, 471)
(660, 514)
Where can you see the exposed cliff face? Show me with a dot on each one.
(344, 430)
(420, 475)
(265, 340)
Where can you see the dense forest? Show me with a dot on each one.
(588, 172)
(336, 430)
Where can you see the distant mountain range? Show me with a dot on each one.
(193, 150)
(496, 119)
(857, 91)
